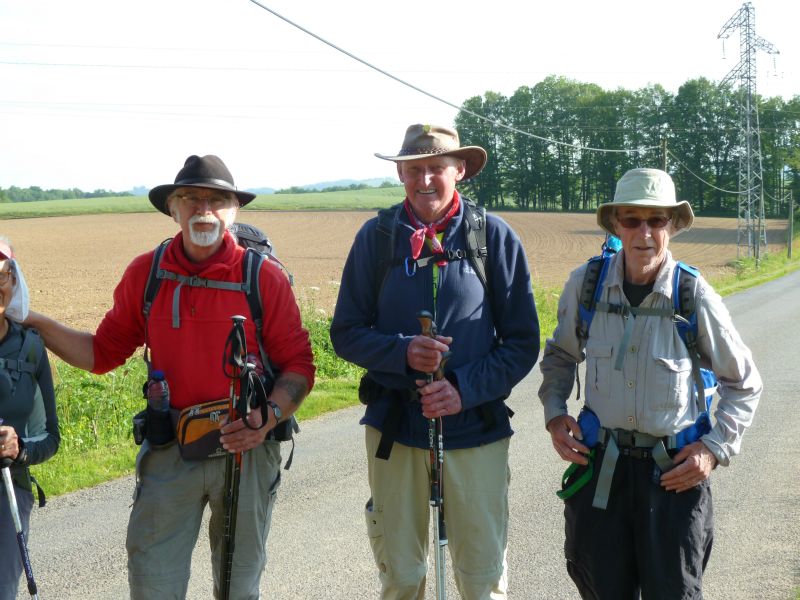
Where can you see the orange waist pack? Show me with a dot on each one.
(197, 429)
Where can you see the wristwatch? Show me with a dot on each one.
(276, 410)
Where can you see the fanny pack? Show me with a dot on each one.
(197, 429)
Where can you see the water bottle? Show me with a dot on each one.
(159, 422)
(158, 392)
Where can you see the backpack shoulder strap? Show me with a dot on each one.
(684, 292)
(153, 282)
(251, 271)
(32, 348)
(590, 292)
(384, 244)
(30, 352)
(475, 218)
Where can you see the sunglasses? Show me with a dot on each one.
(652, 222)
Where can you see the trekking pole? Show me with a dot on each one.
(436, 445)
(235, 367)
(23, 547)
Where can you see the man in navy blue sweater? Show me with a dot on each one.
(491, 333)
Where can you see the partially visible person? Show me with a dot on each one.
(639, 520)
(29, 432)
(491, 333)
(186, 331)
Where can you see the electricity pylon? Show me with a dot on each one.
(751, 232)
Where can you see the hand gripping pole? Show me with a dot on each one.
(436, 445)
(236, 368)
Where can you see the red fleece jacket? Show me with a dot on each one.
(191, 355)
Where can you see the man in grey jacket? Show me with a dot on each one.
(638, 504)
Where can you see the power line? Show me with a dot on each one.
(440, 99)
(708, 183)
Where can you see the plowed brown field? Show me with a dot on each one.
(73, 263)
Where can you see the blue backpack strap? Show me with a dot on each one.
(591, 290)
(684, 292)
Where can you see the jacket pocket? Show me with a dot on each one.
(598, 370)
(671, 379)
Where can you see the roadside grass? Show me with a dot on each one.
(95, 411)
(746, 275)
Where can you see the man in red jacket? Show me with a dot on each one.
(185, 333)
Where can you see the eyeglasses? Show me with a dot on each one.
(5, 276)
(652, 222)
(215, 202)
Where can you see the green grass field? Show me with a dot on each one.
(368, 199)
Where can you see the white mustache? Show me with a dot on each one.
(203, 219)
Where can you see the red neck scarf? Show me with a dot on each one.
(424, 231)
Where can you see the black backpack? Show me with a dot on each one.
(259, 249)
(476, 252)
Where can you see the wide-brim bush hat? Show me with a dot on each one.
(208, 172)
(646, 188)
(424, 141)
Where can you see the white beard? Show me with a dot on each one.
(205, 238)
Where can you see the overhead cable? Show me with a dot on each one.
(709, 184)
(442, 100)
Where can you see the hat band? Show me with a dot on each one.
(207, 180)
(413, 151)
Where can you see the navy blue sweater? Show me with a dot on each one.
(491, 351)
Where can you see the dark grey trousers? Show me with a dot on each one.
(648, 543)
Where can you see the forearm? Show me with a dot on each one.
(73, 346)
(289, 391)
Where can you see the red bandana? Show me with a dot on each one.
(429, 231)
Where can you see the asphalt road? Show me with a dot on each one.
(318, 547)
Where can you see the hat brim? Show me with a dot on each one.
(682, 212)
(159, 194)
(474, 156)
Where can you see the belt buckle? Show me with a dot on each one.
(624, 438)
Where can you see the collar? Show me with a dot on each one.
(662, 284)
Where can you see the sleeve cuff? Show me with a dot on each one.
(22, 455)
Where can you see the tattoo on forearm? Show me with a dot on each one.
(295, 389)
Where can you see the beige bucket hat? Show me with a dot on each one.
(646, 188)
(423, 141)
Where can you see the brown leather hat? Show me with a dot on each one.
(424, 141)
(208, 172)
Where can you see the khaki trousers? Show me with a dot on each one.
(476, 514)
(168, 509)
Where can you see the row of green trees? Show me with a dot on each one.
(295, 189)
(30, 194)
(565, 167)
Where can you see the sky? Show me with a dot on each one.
(100, 94)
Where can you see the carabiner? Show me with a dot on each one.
(411, 266)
